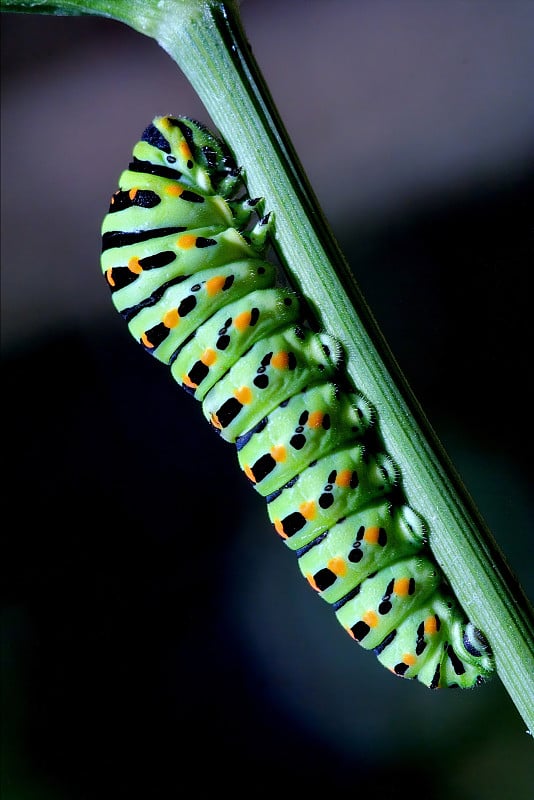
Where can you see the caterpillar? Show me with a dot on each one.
(184, 252)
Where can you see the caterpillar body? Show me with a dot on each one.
(184, 253)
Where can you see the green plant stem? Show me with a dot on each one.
(207, 41)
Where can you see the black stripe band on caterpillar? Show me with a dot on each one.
(188, 271)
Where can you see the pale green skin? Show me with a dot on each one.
(272, 386)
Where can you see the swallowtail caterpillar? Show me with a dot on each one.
(184, 253)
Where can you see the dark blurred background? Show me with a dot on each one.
(156, 636)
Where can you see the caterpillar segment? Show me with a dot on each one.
(272, 370)
(327, 491)
(216, 345)
(163, 323)
(301, 429)
(358, 545)
(184, 253)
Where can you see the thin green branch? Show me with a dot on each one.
(207, 41)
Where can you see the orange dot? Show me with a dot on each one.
(134, 265)
(370, 618)
(280, 360)
(242, 321)
(186, 241)
(401, 587)
(214, 285)
(244, 395)
(308, 510)
(208, 357)
(371, 534)
(146, 341)
(344, 478)
(248, 472)
(185, 151)
(409, 659)
(311, 581)
(338, 566)
(279, 528)
(174, 190)
(171, 318)
(278, 452)
(431, 625)
(132, 193)
(215, 421)
(315, 420)
(109, 276)
(186, 380)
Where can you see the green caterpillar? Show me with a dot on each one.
(187, 268)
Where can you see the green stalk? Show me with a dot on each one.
(207, 41)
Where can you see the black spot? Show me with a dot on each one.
(202, 242)
(291, 361)
(157, 260)
(293, 523)
(154, 137)
(356, 554)
(155, 336)
(223, 342)
(435, 682)
(143, 198)
(198, 372)
(261, 381)
(263, 466)
(191, 197)
(360, 630)
(297, 441)
(229, 411)
(326, 500)
(224, 328)
(384, 607)
(324, 578)
(457, 665)
(187, 305)
(121, 277)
